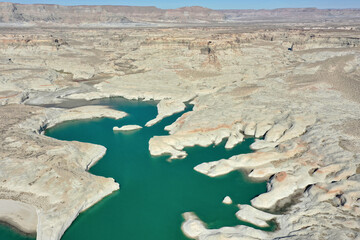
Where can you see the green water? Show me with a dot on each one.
(153, 191)
(7, 233)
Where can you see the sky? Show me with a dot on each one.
(214, 4)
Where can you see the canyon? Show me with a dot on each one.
(288, 77)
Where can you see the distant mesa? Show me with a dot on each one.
(81, 15)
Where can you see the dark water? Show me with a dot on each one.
(153, 191)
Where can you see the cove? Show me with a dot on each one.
(153, 191)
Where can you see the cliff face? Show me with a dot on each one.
(291, 13)
(37, 13)
(45, 13)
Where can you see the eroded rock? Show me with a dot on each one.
(127, 128)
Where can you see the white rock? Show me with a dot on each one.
(127, 128)
(166, 107)
(276, 132)
(54, 198)
(262, 128)
(250, 129)
(21, 215)
(298, 127)
(233, 140)
(221, 134)
(254, 216)
(56, 116)
(247, 161)
(221, 100)
(214, 169)
(283, 185)
(227, 200)
(261, 144)
(193, 226)
(158, 145)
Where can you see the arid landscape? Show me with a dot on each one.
(289, 77)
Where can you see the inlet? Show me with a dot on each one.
(154, 192)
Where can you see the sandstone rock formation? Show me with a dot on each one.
(166, 107)
(127, 128)
(100, 16)
(45, 177)
(303, 104)
(21, 215)
(227, 200)
(252, 215)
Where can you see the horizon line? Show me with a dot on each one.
(79, 5)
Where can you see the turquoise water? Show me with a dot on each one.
(153, 191)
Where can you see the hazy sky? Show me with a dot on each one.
(215, 4)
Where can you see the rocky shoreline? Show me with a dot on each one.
(296, 86)
(52, 183)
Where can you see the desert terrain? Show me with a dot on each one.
(289, 77)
